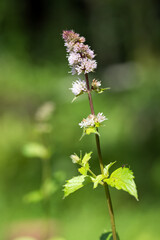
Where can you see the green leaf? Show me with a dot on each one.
(77, 96)
(90, 130)
(35, 150)
(106, 168)
(82, 171)
(86, 158)
(97, 180)
(122, 178)
(75, 183)
(100, 90)
(108, 236)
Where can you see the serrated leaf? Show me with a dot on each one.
(35, 150)
(106, 168)
(86, 158)
(97, 180)
(122, 178)
(75, 183)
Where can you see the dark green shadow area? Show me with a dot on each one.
(108, 236)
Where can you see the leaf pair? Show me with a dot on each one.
(122, 178)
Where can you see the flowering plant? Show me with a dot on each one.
(81, 60)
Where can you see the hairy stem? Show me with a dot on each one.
(107, 193)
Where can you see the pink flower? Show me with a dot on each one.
(80, 56)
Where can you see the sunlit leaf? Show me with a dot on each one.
(90, 130)
(106, 168)
(75, 183)
(82, 171)
(97, 180)
(86, 158)
(122, 178)
(35, 150)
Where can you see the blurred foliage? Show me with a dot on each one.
(33, 70)
(107, 236)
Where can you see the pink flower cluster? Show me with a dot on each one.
(80, 56)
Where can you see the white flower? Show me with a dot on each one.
(89, 65)
(101, 117)
(73, 58)
(78, 87)
(85, 65)
(92, 120)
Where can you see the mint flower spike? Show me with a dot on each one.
(80, 56)
(92, 121)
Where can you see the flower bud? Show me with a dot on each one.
(75, 158)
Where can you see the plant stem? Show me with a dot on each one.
(107, 193)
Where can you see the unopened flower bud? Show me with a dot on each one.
(75, 158)
(96, 84)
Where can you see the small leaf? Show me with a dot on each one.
(106, 168)
(86, 158)
(77, 96)
(90, 130)
(97, 180)
(122, 178)
(108, 236)
(35, 150)
(100, 90)
(75, 183)
(84, 169)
